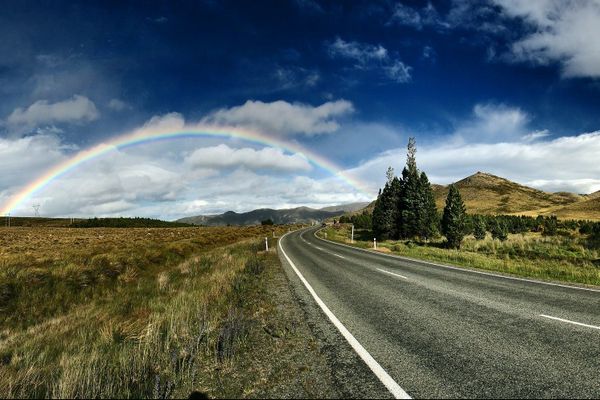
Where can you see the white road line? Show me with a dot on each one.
(513, 278)
(377, 369)
(391, 273)
(570, 322)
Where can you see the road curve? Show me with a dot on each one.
(447, 333)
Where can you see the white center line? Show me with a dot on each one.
(391, 273)
(570, 322)
(340, 256)
(377, 369)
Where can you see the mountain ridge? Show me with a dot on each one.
(278, 216)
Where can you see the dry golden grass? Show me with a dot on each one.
(126, 312)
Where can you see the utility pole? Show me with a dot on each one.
(352, 235)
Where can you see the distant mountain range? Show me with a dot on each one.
(285, 216)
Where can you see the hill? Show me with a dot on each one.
(485, 193)
(351, 207)
(284, 216)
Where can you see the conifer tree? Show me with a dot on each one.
(499, 230)
(428, 216)
(409, 200)
(384, 213)
(454, 218)
(479, 228)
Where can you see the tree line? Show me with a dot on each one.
(123, 222)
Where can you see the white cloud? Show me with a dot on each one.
(360, 52)
(562, 31)
(281, 117)
(76, 109)
(371, 57)
(493, 122)
(223, 156)
(23, 159)
(567, 163)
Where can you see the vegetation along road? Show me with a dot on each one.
(431, 331)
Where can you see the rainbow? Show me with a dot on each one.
(151, 135)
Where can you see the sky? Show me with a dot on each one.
(506, 87)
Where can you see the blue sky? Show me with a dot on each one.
(505, 86)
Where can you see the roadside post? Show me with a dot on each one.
(375, 243)
(266, 244)
(352, 235)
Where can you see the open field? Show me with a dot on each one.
(556, 258)
(151, 313)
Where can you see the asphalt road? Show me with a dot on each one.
(441, 332)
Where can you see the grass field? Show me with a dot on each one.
(556, 258)
(155, 313)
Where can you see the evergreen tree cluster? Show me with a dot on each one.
(360, 221)
(405, 208)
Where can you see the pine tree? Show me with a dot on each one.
(409, 202)
(428, 216)
(454, 218)
(384, 213)
(499, 230)
(479, 228)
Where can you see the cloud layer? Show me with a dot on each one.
(283, 118)
(223, 156)
(76, 109)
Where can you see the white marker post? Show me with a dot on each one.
(375, 243)
(352, 235)
(266, 244)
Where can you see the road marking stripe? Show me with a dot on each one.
(514, 278)
(391, 273)
(570, 322)
(377, 369)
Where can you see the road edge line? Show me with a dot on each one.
(569, 321)
(375, 367)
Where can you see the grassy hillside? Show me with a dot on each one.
(151, 313)
(489, 194)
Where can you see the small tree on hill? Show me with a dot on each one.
(479, 227)
(454, 218)
(499, 229)
(550, 226)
